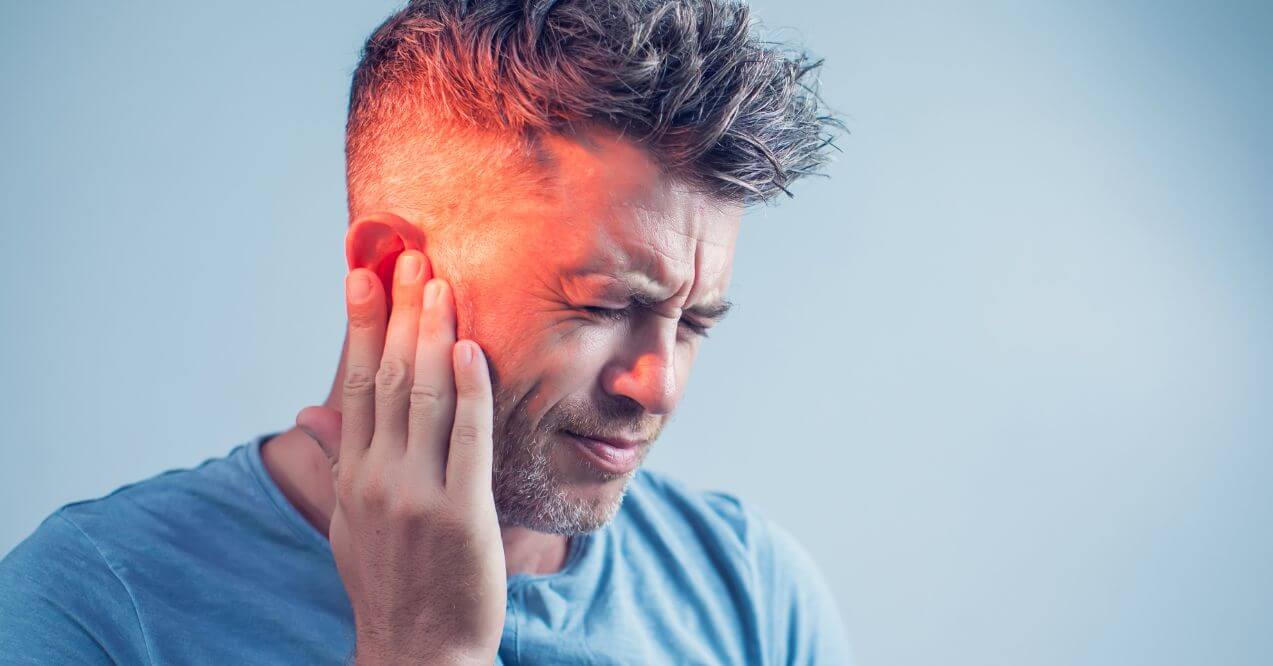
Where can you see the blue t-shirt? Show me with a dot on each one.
(213, 565)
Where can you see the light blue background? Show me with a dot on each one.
(1006, 373)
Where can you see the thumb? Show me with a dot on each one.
(322, 424)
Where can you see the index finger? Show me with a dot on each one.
(365, 339)
(468, 465)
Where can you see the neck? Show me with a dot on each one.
(300, 470)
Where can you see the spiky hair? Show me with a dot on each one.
(715, 105)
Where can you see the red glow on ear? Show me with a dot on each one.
(375, 240)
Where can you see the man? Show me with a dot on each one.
(544, 200)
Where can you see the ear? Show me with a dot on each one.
(375, 240)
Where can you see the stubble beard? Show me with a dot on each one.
(528, 491)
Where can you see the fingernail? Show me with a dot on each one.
(430, 294)
(357, 287)
(408, 267)
(466, 353)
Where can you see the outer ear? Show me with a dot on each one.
(375, 240)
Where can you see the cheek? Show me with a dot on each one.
(571, 362)
(557, 363)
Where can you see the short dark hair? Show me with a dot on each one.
(735, 116)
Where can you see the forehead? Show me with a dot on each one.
(609, 215)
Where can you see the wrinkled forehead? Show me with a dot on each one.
(611, 211)
(652, 250)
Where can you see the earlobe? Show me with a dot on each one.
(376, 239)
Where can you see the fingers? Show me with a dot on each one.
(432, 407)
(365, 304)
(468, 466)
(395, 374)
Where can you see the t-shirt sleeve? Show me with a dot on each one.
(61, 603)
(805, 624)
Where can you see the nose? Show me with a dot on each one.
(647, 371)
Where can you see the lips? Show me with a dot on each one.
(610, 455)
(616, 442)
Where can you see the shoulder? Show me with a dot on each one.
(677, 509)
(68, 591)
(90, 528)
(721, 522)
(60, 602)
(794, 605)
(717, 515)
(120, 535)
(57, 545)
(170, 506)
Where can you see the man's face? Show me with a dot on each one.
(531, 295)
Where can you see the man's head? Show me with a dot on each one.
(577, 170)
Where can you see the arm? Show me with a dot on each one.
(61, 603)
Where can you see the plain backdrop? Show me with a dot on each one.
(1005, 373)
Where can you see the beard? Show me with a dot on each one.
(529, 489)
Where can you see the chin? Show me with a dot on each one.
(597, 492)
(568, 506)
(565, 490)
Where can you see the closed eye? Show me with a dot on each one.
(619, 314)
(607, 313)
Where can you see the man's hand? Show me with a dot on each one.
(414, 532)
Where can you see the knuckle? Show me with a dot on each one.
(466, 435)
(423, 393)
(392, 375)
(374, 500)
(409, 508)
(373, 492)
(359, 381)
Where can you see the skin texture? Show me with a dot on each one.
(521, 290)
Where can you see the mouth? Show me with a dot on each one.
(613, 456)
